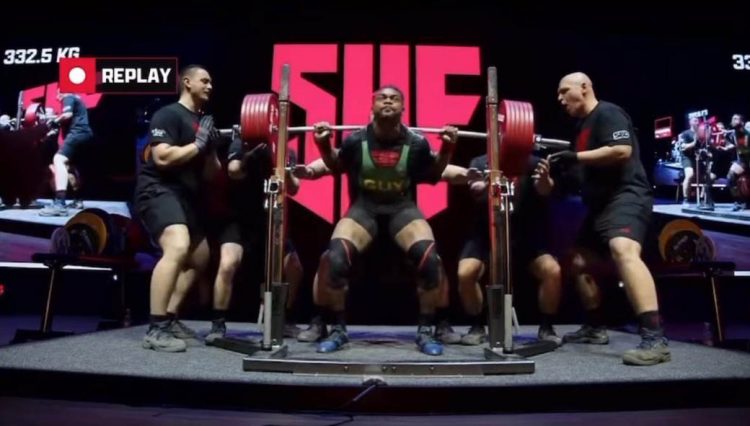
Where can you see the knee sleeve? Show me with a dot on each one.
(424, 255)
(341, 254)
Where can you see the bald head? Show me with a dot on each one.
(576, 94)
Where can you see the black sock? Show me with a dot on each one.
(219, 315)
(289, 316)
(171, 316)
(595, 317)
(157, 320)
(547, 321)
(426, 319)
(478, 320)
(442, 315)
(650, 321)
(60, 195)
(335, 317)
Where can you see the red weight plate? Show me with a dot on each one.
(517, 131)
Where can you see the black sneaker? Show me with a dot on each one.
(335, 341)
(427, 343)
(76, 204)
(54, 209)
(161, 340)
(548, 334)
(444, 332)
(316, 331)
(653, 349)
(181, 331)
(588, 334)
(476, 336)
(218, 331)
(291, 330)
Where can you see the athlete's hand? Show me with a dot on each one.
(449, 134)
(322, 132)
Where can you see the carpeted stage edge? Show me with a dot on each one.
(111, 366)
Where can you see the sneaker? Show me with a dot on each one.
(738, 206)
(588, 334)
(335, 341)
(316, 331)
(181, 331)
(685, 204)
(161, 340)
(76, 204)
(444, 332)
(54, 209)
(426, 343)
(548, 334)
(218, 331)
(291, 330)
(476, 336)
(707, 207)
(653, 349)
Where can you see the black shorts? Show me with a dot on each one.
(688, 160)
(73, 144)
(393, 216)
(627, 215)
(159, 207)
(224, 231)
(529, 241)
(477, 246)
(526, 245)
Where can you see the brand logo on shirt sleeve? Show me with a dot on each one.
(158, 133)
(621, 134)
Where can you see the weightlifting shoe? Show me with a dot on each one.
(426, 341)
(335, 341)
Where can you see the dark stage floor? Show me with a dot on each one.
(99, 363)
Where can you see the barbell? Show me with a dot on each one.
(259, 123)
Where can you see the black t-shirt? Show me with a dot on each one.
(418, 166)
(530, 210)
(610, 125)
(686, 137)
(79, 123)
(175, 125)
(247, 195)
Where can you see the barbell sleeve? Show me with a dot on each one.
(551, 143)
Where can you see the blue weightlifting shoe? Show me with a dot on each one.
(335, 340)
(427, 343)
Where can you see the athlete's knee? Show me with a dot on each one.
(230, 259)
(579, 264)
(425, 257)
(469, 271)
(624, 250)
(546, 267)
(341, 255)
